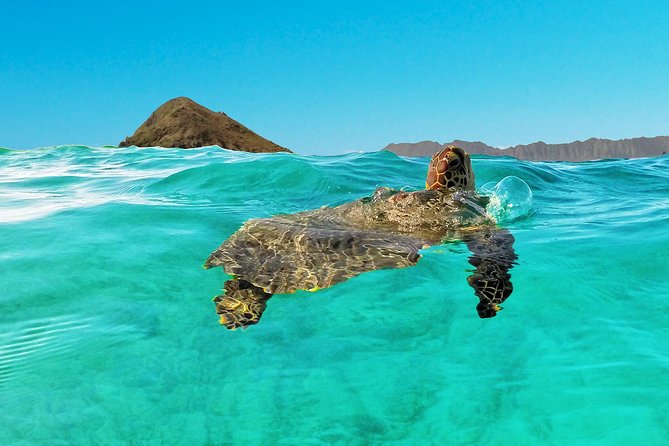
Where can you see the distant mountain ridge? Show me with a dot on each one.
(182, 122)
(590, 149)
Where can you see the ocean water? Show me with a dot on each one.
(108, 334)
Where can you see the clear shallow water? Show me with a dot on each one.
(108, 333)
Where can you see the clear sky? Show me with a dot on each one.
(330, 77)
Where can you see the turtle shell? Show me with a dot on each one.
(284, 254)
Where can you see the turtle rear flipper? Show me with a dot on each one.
(241, 303)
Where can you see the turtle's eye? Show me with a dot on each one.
(454, 163)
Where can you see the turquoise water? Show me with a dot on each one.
(108, 334)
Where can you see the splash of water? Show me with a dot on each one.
(510, 199)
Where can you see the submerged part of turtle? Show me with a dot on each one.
(320, 248)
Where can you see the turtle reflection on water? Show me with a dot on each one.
(320, 248)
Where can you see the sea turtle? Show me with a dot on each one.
(319, 248)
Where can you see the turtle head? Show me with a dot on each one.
(450, 168)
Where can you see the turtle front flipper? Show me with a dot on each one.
(493, 256)
(241, 303)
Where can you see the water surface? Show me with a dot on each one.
(108, 333)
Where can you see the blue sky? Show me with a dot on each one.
(331, 77)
